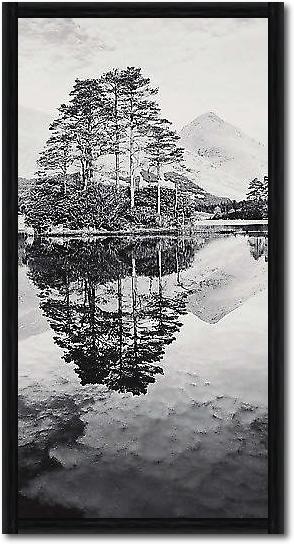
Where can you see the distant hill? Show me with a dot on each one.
(33, 131)
(221, 158)
(201, 196)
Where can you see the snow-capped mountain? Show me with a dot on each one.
(221, 158)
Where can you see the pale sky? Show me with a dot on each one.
(199, 65)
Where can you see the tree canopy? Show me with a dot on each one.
(113, 116)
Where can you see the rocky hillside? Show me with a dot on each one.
(221, 158)
(184, 183)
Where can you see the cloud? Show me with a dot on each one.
(57, 38)
(198, 64)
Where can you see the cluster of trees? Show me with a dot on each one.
(112, 330)
(114, 115)
(103, 207)
(254, 207)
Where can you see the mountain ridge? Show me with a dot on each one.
(221, 157)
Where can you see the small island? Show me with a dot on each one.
(113, 165)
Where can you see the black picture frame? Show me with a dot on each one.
(274, 524)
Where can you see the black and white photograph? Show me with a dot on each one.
(143, 268)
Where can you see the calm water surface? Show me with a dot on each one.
(143, 376)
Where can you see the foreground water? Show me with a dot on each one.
(143, 376)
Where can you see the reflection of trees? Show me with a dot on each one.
(114, 332)
(258, 247)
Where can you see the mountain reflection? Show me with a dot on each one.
(106, 303)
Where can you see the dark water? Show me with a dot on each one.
(143, 376)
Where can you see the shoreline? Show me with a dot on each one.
(153, 231)
(232, 222)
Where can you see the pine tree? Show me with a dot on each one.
(113, 88)
(162, 149)
(57, 156)
(83, 119)
(139, 112)
(255, 191)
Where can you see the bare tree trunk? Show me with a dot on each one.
(177, 265)
(86, 170)
(132, 184)
(91, 168)
(159, 268)
(158, 194)
(83, 173)
(117, 170)
(176, 197)
(64, 184)
(64, 172)
(116, 141)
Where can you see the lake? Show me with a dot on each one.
(143, 375)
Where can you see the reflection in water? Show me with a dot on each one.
(123, 313)
(112, 330)
(258, 247)
(108, 323)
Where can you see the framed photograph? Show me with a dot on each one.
(143, 267)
